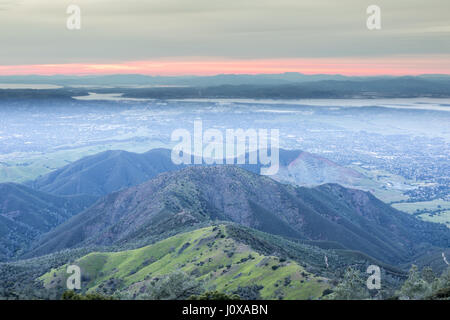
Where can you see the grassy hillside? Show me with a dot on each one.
(209, 254)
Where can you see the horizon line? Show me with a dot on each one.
(351, 67)
(227, 74)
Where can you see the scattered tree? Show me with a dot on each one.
(352, 287)
(214, 295)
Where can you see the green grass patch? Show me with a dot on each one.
(209, 255)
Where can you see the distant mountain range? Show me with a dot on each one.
(105, 172)
(280, 86)
(92, 177)
(111, 171)
(173, 201)
(402, 87)
(25, 214)
(215, 80)
(145, 196)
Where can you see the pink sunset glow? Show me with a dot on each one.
(174, 67)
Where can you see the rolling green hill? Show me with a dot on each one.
(230, 242)
(209, 254)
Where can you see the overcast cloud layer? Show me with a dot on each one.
(34, 31)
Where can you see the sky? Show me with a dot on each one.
(204, 37)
